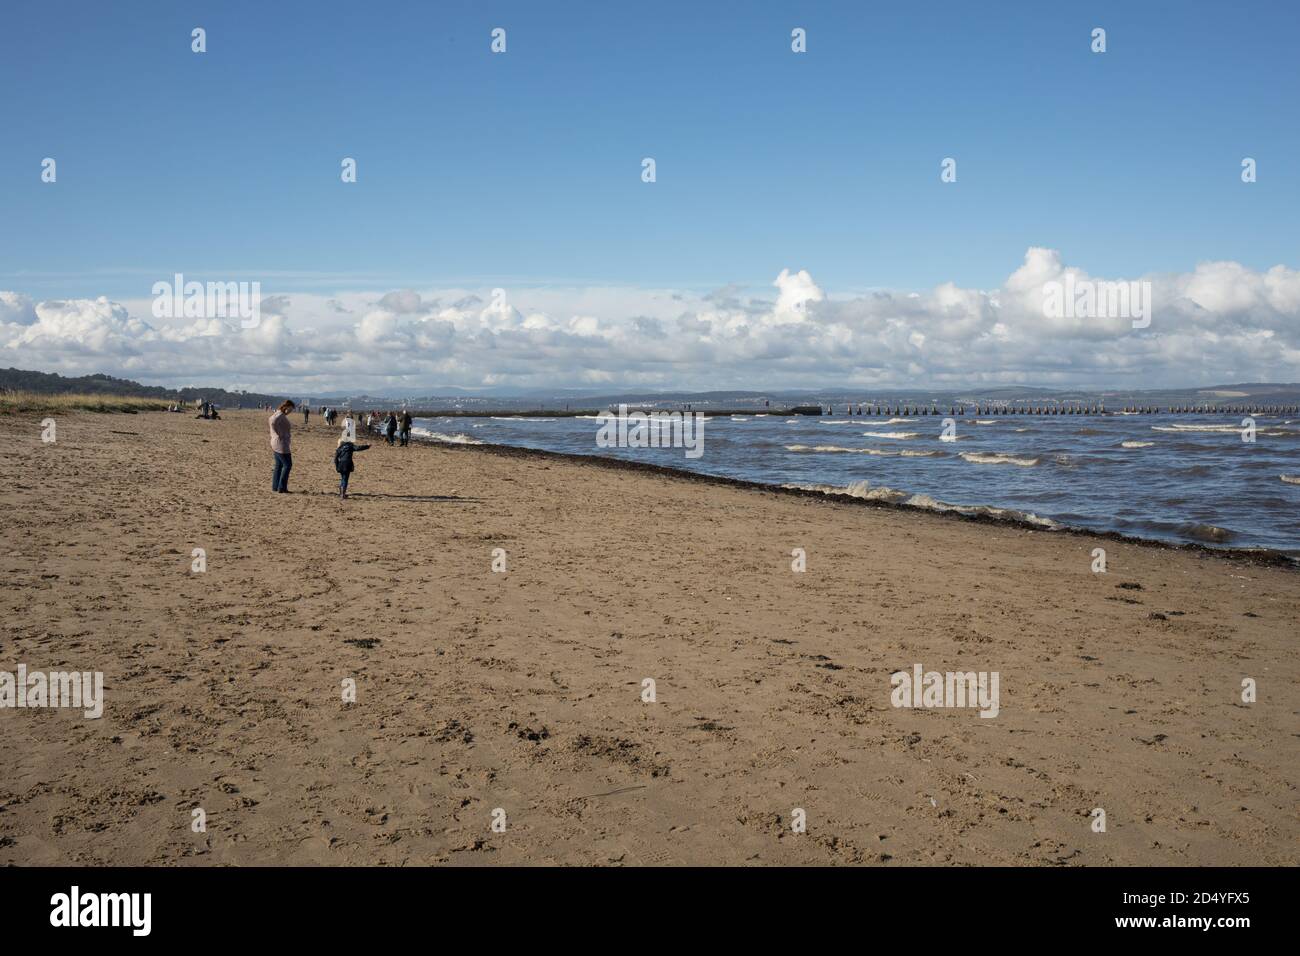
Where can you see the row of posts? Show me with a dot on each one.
(1098, 409)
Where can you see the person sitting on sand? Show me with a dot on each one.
(279, 424)
(343, 462)
(404, 427)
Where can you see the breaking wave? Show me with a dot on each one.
(863, 489)
(840, 449)
(997, 458)
(444, 438)
(1207, 532)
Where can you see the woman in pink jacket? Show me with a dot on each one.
(279, 423)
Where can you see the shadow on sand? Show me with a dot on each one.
(363, 495)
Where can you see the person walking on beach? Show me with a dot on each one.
(390, 427)
(404, 427)
(306, 414)
(279, 424)
(343, 462)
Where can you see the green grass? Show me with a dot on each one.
(20, 402)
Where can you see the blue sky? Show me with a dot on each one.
(500, 232)
(526, 166)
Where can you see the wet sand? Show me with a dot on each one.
(522, 690)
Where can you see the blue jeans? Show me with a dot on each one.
(343, 483)
(280, 475)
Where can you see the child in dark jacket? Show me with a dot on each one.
(343, 463)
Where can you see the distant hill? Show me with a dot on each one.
(51, 383)
(467, 400)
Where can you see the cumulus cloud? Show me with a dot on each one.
(90, 327)
(16, 309)
(1219, 322)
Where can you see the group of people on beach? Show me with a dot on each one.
(391, 425)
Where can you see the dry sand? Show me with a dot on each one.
(478, 690)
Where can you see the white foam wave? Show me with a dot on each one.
(447, 439)
(925, 501)
(1290, 479)
(858, 489)
(1196, 428)
(1136, 444)
(863, 489)
(879, 452)
(841, 449)
(899, 436)
(997, 458)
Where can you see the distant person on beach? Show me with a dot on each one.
(343, 462)
(404, 427)
(390, 427)
(306, 414)
(279, 424)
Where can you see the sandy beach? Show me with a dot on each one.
(478, 690)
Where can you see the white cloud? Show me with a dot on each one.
(16, 309)
(90, 327)
(1219, 322)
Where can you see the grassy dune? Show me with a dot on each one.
(16, 402)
